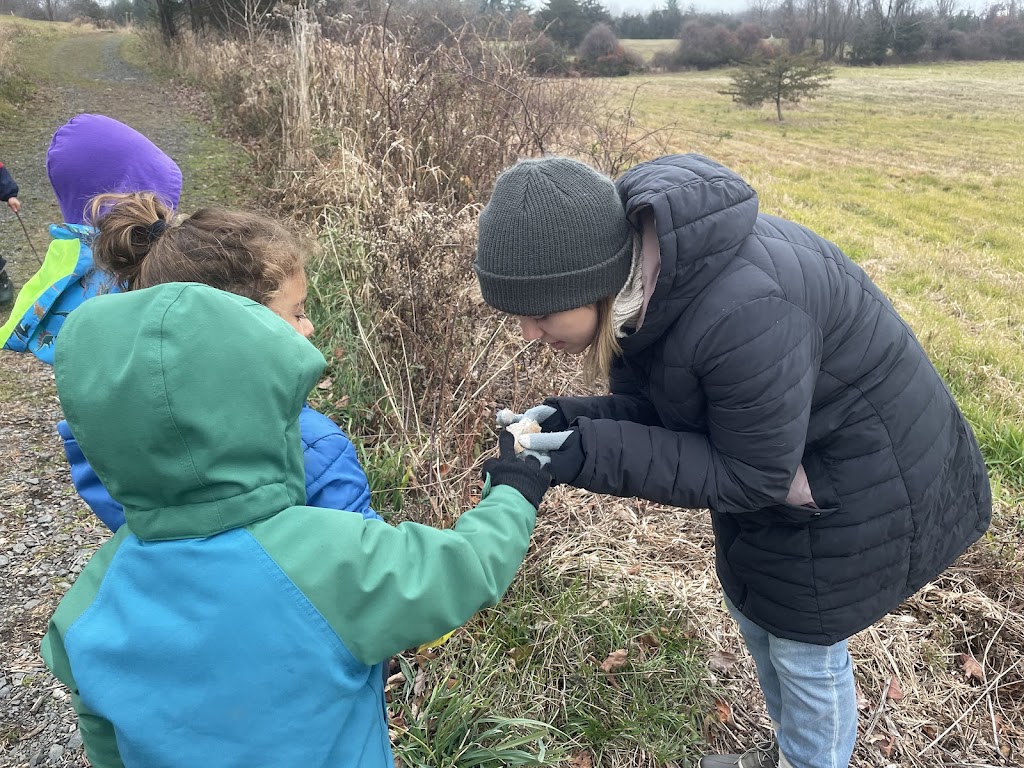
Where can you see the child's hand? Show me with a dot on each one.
(14, 204)
(525, 474)
(561, 452)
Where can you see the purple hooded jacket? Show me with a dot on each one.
(93, 154)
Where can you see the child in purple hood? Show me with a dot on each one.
(88, 156)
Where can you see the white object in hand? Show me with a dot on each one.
(520, 428)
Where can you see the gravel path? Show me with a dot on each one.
(46, 533)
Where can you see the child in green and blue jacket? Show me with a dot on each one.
(227, 624)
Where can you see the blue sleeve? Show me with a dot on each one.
(87, 484)
(8, 187)
(334, 477)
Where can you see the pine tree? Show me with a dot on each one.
(785, 77)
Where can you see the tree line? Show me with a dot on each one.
(854, 31)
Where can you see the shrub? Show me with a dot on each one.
(703, 46)
(601, 55)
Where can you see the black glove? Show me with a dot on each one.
(556, 422)
(567, 461)
(526, 475)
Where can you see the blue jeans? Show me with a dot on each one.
(810, 693)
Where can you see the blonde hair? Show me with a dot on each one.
(139, 241)
(605, 347)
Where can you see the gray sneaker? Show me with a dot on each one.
(763, 755)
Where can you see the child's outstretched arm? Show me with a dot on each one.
(384, 589)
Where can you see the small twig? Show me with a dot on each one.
(878, 710)
(30, 245)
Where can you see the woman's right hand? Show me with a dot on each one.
(548, 415)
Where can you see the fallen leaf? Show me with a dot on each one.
(930, 731)
(723, 661)
(634, 570)
(894, 692)
(615, 660)
(649, 641)
(326, 383)
(581, 760)
(972, 669)
(862, 701)
(723, 710)
(419, 685)
(339, 353)
(886, 747)
(341, 402)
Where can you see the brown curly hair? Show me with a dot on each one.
(142, 243)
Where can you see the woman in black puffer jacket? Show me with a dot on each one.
(758, 372)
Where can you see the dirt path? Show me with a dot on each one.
(46, 533)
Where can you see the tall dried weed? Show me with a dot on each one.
(387, 136)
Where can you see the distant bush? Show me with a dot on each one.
(703, 46)
(546, 57)
(601, 55)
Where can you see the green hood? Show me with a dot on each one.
(185, 400)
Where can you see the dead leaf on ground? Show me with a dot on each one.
(615, 660)
(634, 570)
(325, 383)
(972, 669)
(894, 692)
(862, 701)
(886, 747)
(649, 641)
(723, 661)
(581, 760)
(723, 710)
(419, 685)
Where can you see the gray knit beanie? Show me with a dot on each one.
(554, 236)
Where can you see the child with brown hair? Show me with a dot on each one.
(141, 243)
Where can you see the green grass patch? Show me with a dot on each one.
(914, 172)
(540, 654)
(352, 392)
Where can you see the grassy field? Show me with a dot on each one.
(916, 173)
(648, 48)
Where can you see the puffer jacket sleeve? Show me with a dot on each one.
(625, 403)
(334, 477)
(88, 484)
(757, 367)
(8, 187)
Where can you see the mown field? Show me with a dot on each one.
(916, 173)
(648, 48)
